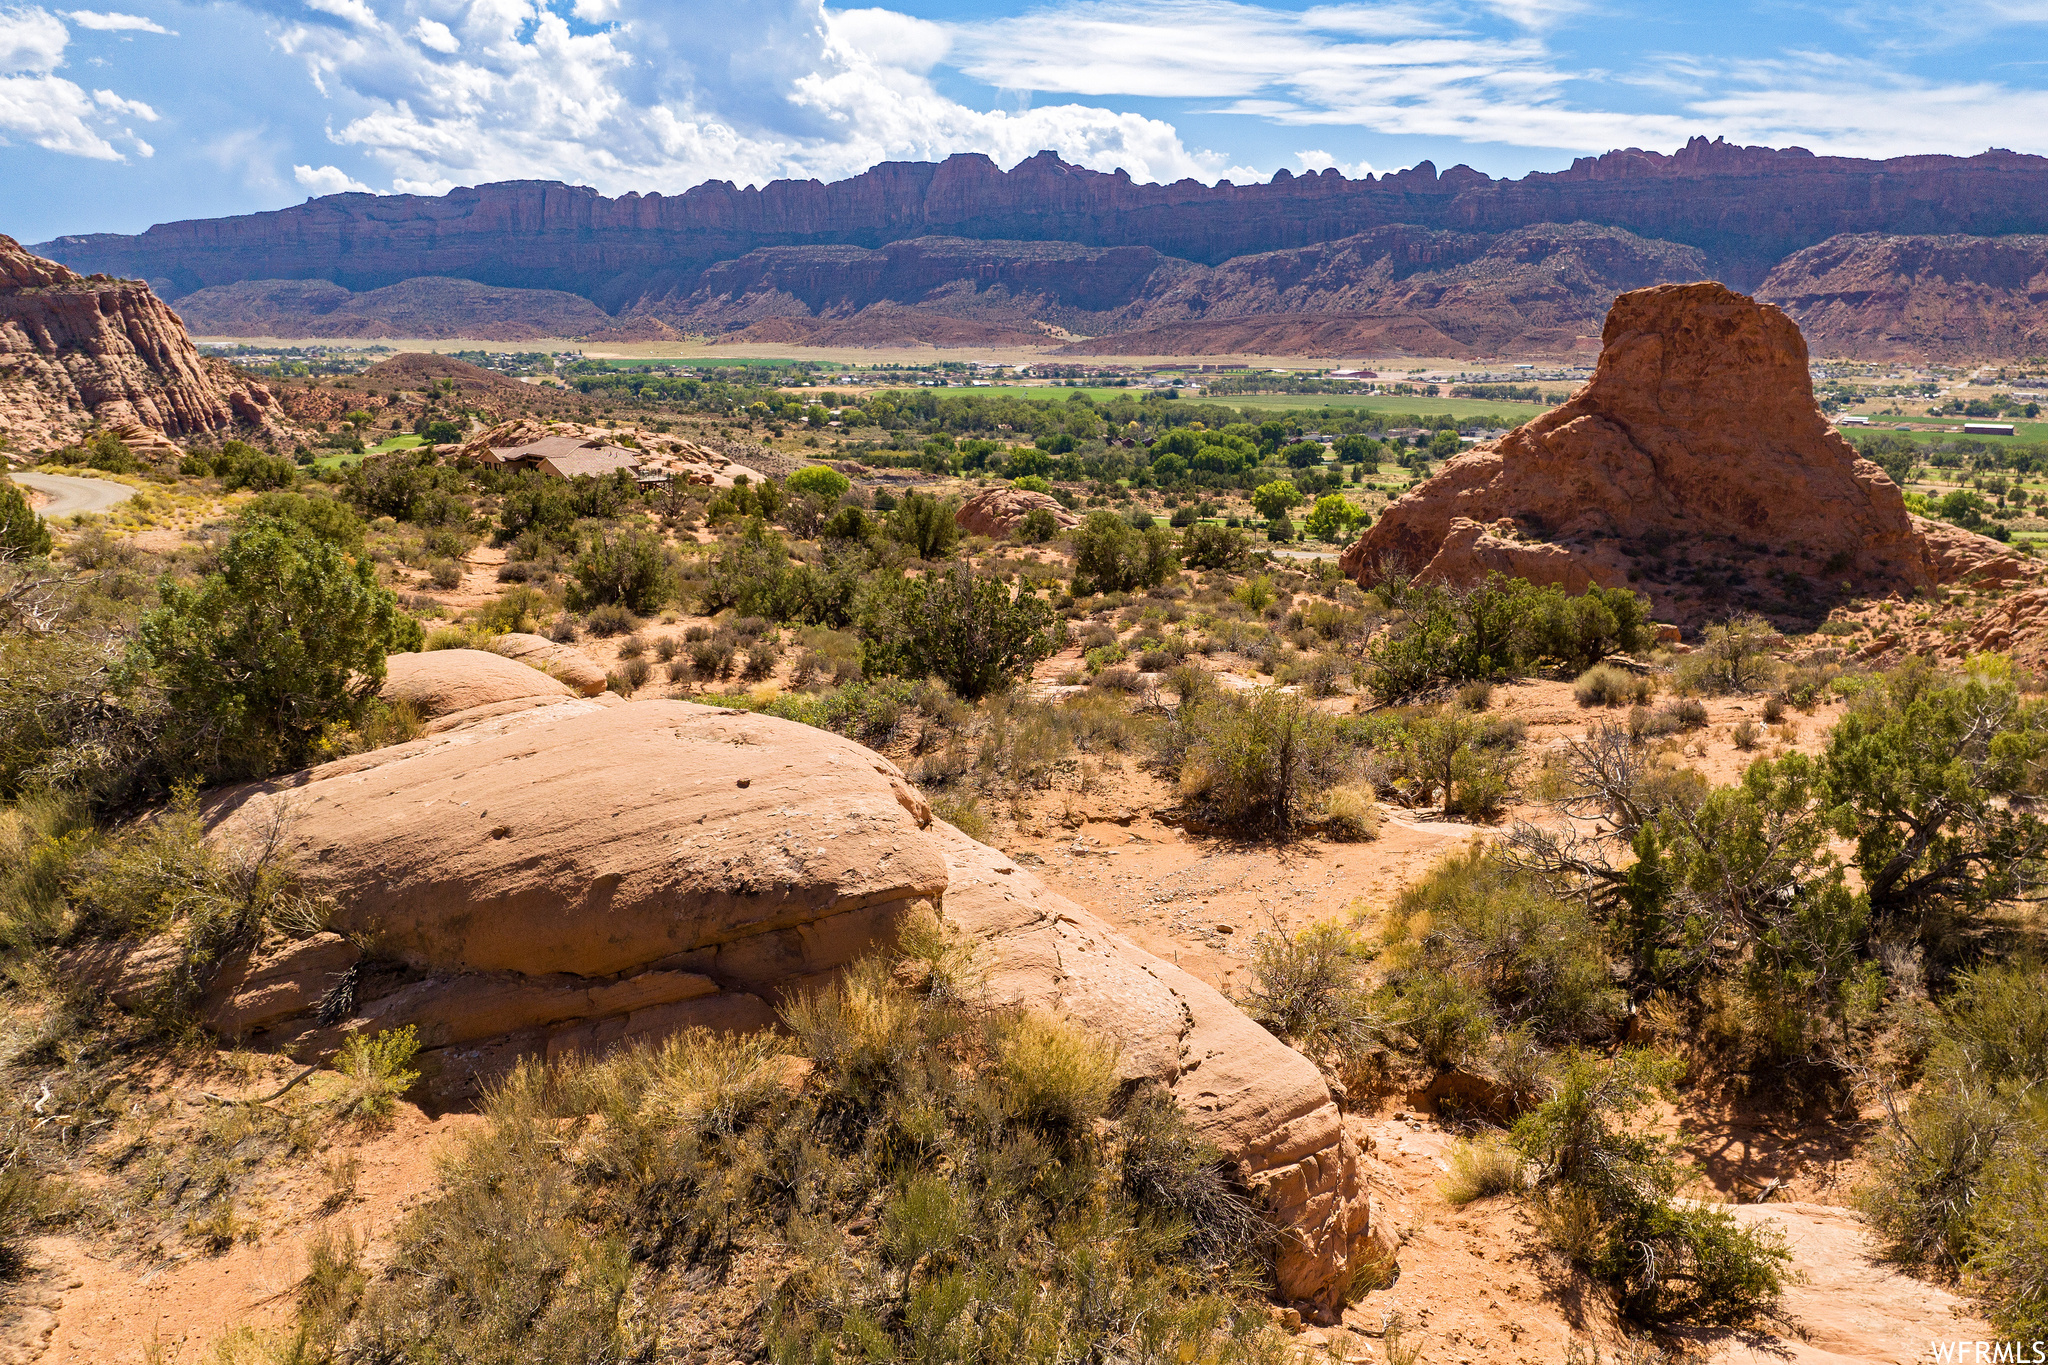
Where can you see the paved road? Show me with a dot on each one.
(69, 494)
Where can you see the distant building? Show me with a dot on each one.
(565, 457)
(1987, 428)
(1852, 419)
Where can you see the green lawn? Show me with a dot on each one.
(344, 458)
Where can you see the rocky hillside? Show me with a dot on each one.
(428, 309)
(1888, 297)
(1002, 256)
(82, 352)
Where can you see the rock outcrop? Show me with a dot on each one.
(78, 353)
(962, 250)
(450, 688)
(1693, 466)
(569, 666)
(996, 512)
(571, 877)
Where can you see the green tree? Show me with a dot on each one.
(630, 569)
(821, 481)
(22, 533)
(1273, 500)
(261, 659)
(925, 524)
(1214, 547)
(1333, 516)
(1111, 555)
(965, 628)
(1302, 455)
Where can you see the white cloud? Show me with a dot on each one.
(327, 180)
(667, 95)
(42, 108)
(113, 103)
(436, 35)
(117, 23)
(31, 40)
(1319, 160)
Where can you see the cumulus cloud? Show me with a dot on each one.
(328, 180)
(117, 23)
(42, 108)
(647, 94)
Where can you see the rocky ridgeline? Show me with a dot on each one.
(1695, 467)
(963, 252)
(78, 353)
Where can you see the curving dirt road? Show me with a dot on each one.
(68, 494)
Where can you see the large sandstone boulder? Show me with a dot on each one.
(445, 682)
(1693, 466)
(996, 512)
(557, 661)
(572, 877)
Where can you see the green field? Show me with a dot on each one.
(343, 458)
(2024, 433)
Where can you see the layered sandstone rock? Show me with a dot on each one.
(566, 665)
(446, 681)
(1693, 466)
(996, 512)
(577, 876)
(78, 353)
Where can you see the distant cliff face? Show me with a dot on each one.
(1048, 245)
(1942, 298)
(1744, 207)
(79, 353)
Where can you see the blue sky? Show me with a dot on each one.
(114, 119)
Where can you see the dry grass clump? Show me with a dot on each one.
(1481, 1167)
(1607, 685)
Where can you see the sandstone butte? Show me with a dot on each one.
(1694, 466)
(998, 511)
(544, 874)
(78, 353)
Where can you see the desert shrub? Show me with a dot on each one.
(925, 525)
(375, 1070)
(1476, 695)
(632, 647)
(630, 570)
(1038, 526)
(22, 533)
(964, 814)
(1255, 762)
(966, 628)
(241, 465)
(259, 660)
(444, 574)
(1606, 685)
(635, 673)
(1347, 813)
(609, 619)
(1482, 1167)
(1308, 987)
(1538, 959)
(1446, 1018)
(1203, 546)
(1110, 555)
(1055, 1079)
(1733, 656)
(1499, 628)
(1463, 761)
(1611, 1190)
(330, 519)
(1745, 734)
